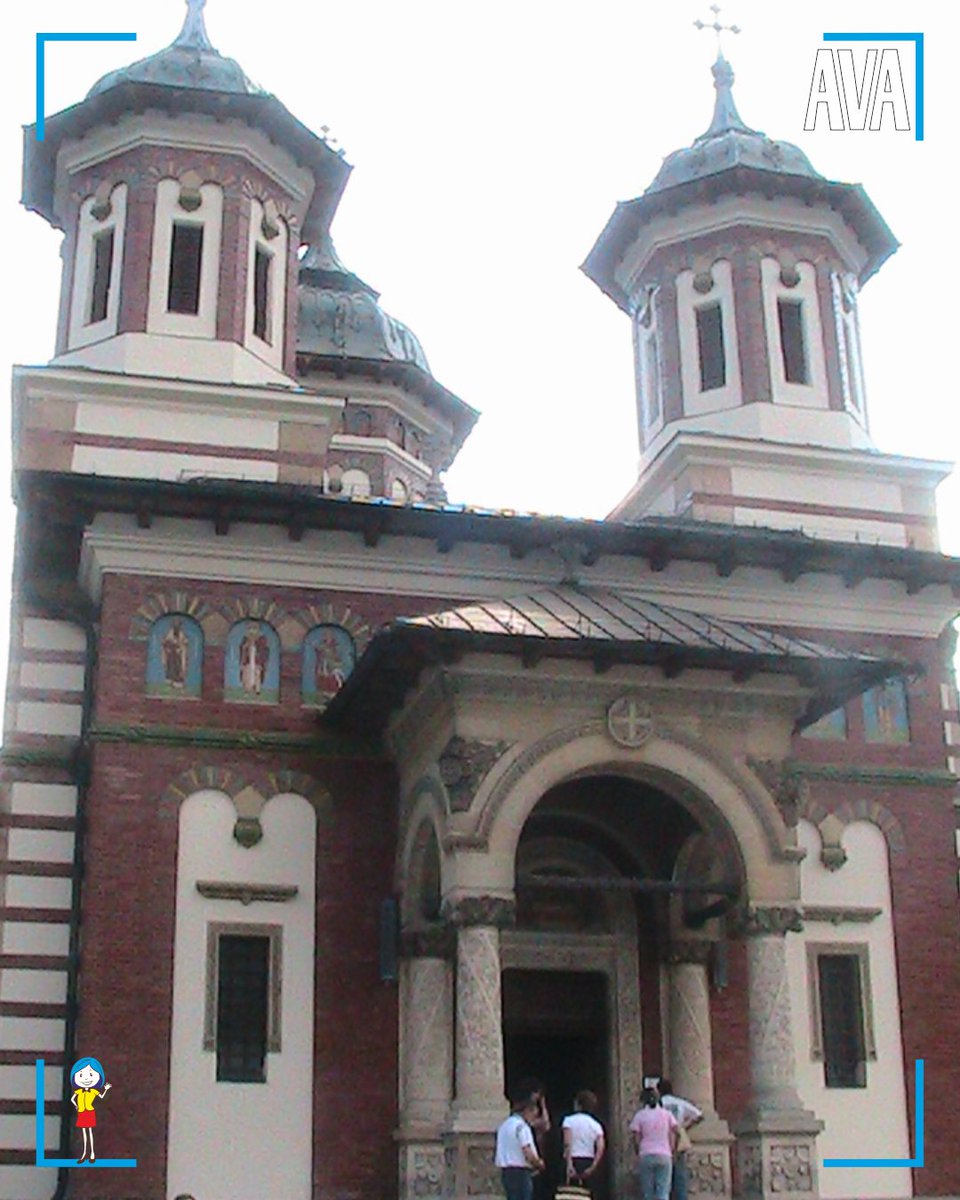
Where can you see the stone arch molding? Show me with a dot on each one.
(426, 806)
(247, 797)
(701, 778)
(831, 824)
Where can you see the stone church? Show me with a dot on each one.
(329, 808)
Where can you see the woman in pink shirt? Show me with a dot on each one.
(655, 1134)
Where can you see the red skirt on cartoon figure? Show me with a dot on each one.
(86, 1120)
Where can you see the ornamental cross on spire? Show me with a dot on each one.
(194, 33)
(717, 27)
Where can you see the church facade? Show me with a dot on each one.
(329, 808)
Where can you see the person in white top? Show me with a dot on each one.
(516, 1154)
(687, 1114)
(583, 1140)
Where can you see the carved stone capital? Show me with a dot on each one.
(690, 950)
(756, 920)
(785, 784)
(462, 764)
(431, 941)
(498, 911)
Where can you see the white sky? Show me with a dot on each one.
(490, 143)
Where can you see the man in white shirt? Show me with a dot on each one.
(583, 1140)
(686, 1114)
(516, 1153)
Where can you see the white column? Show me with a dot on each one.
(426, 1005)
(776, 1139)
(480, 1085)
(691, 1067)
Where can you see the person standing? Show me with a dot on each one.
(516, 1154)
(583, 1140)
(655, 1136)
(687, 1114)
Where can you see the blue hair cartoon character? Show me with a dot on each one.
(86, 1077)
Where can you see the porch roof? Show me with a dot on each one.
(606, 628)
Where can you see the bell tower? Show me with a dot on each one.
(739, 268)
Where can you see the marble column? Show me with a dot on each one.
(776, 1139)
(426, 1059)
(479, 1103)
(691, 1065)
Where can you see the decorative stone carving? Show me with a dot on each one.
(758, 921)
(247, 831)
(790, 1167)
(432, 941)
(425, 1172)
(707, 1172)
(630, 722)
(785, 784)
(833, 857)
(772, 1053)
(463, 763)
(751, 1170)
(495, 911)
(690, 950)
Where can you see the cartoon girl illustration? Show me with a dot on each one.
(86, 1076)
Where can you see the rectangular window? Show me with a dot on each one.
(653, 380)
(242, 1019)
(790, 314)
(261, 293)
(713, 364)
(186, 256)
(841, 1018)
(102, 269)
(841, 1012)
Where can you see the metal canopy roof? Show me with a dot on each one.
(598, 615)
(605, 628)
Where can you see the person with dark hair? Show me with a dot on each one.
(687, 1114)
(532, 1088)
(583, 1140)
(516, 1153)
(655, 1136)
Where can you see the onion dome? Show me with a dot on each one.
(728, 143)
(340, 317)
(190, 62)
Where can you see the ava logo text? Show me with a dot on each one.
(860, 87)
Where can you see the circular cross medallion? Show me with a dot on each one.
(630, 722)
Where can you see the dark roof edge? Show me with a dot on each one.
(660, 540)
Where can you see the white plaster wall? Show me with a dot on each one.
(47, 799)
(60, 720)
(57, 677)
(202, 324)
(164, 356)
(815, 486)
(695, 402)
(868, 1122)
(42, 987)
(808, 395)
(837, 529)
(154, 464)
(25, 1183)
(169, 424)
(212, 1125)
(41, 634)
(848, 341)
(81, 332)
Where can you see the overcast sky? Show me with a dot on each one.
(490, 142)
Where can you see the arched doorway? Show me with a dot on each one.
(605, 880)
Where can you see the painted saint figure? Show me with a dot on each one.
(175, 649)
(254, 659)
(332, 665)
(86, 1076)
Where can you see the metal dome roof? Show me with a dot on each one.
(728, 143)
(189, 62)
(339, 315)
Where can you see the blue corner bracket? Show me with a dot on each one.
(917, 1160)
(42, 1160)
(43, 38)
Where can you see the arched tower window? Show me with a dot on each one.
(95, 300)
(185, 269)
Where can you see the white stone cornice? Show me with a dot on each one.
(332, 560)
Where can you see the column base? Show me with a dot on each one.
(422, 1168)
(469, 1169)
(708, 1163)
(777, 1153)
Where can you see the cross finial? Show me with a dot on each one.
(717, 27)
(194, 33)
